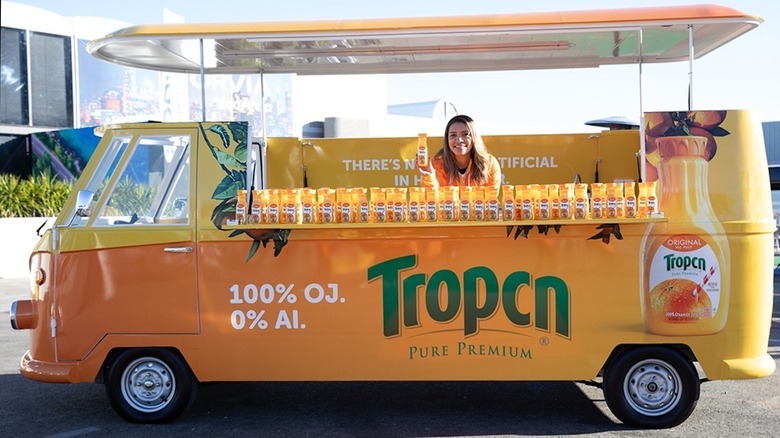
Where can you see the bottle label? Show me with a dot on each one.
(652, 205)
(381, 212)
(509, 210)
(363, 212)
(327, 213)
(307, 213)
(493, 213)
(631, 206)
(422, 155)
(479, 210)
(564, 210)
(580, 208)
(273, 213)
(544, 209)
(684, 281)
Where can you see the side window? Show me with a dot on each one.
(139, 182)
(101, 178)
(153, 186)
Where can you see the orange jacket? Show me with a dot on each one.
(438, 178)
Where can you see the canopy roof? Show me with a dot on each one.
(566, 39)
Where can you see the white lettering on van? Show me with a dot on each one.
(528, 162)
(369, 165)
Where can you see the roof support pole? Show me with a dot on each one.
(641, 153)
(202, 83)
(264, 145)
(690, 67)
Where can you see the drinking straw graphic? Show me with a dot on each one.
(704, 281)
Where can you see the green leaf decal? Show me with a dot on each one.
(718, 132)
(223, 134)
(253, 250)
(240, 153)
(238, 130)
(228, 188)
(227, 159)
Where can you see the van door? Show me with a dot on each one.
(126, 264)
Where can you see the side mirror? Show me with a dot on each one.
(83, 200)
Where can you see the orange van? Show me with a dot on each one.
(153, 280)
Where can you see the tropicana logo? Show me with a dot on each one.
(399, 297)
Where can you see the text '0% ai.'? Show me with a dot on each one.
(265, 293)
(251, 319)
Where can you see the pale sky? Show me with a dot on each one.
(744, 74)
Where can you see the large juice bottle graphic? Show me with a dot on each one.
(684, 262)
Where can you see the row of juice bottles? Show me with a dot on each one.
(447, 204)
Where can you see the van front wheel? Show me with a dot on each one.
(652, 387)
(149, 385)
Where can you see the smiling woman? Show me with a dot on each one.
(463, 159)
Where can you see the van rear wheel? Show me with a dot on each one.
(149, 385)
(652, 387)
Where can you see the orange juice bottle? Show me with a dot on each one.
(256, 210)
(478, 206)
(241, 206)
(544, 211)
(508, 202)
(614, 204)
(684, 263)
(629, 189)
(466, 194)
(326, 205)
(581, 203)
(378, 204)
(308, 206)
(274, 208)
(598, 200)
(492, 206)
(362, 208)
(448, 204)
(526, 207)
(641, 200)
(344, 205)
(652, 199)
(431, 204)
(416, 204)
(398, 197)
(263, 196)
(422, 149)
(291, 206)
(555, 200)
(566, 201)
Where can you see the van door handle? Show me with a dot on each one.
(178, 249)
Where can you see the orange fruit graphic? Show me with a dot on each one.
(706, 119)
(679, 300)
(657, 123)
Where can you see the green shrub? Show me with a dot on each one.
(40, 196)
